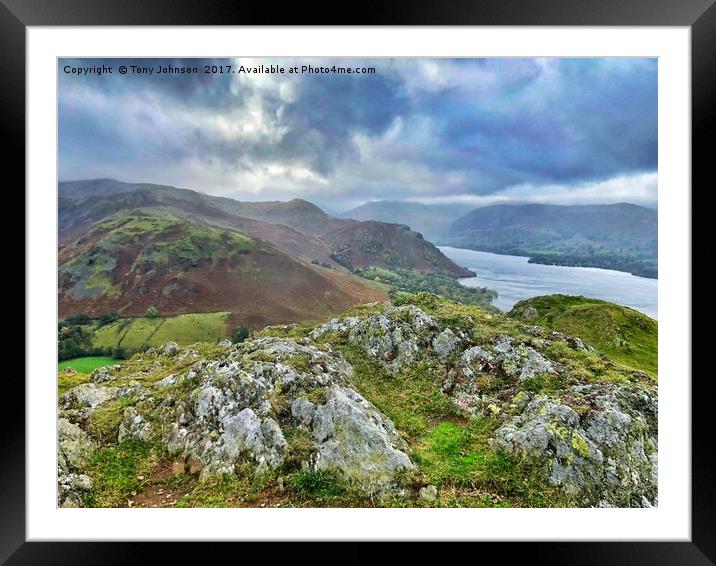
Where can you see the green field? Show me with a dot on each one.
(624, 334)
(133, 334)
(87, 364)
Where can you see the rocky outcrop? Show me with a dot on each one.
(245, 406)
(133, 426)
(353, 437)
(598, 442)
(243, 400)
(603, 453)
(74, 450)
(398, 335)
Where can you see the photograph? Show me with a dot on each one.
(331, 282)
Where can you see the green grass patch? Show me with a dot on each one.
(87, 364)
(458, 458)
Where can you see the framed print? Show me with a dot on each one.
(424, 280)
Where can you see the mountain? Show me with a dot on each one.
(297, 226)
(624, 334)
(137, 258)
(615, 236)
(431, 220)
(421, 402)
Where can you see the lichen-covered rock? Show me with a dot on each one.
(471, 382)
(519, 360)
(338, 325)
(259, 439)
(607, 454)
(133, 426)
(225, 343)
(187, 356)
(233, 414)
(171, 349)
(168, 381)
(88, 395)
(101, 374)
(74, 450)
(429, 493)
(356, 439)
(445, 343)
(397, 335)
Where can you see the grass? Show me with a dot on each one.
(458, 459)
(133, 334)
(67, 380)
(118, 472)
(104, 421)
(411, 398)
(624, 334)
(87, 364)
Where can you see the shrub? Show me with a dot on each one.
(152, 312)
(240, 334)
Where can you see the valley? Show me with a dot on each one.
(238, 354)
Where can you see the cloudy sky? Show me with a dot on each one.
(481, 131)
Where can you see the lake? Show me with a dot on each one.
(515, 279)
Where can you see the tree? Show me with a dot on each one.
(240, 334)
(119, 353)
(108, 318)
(152, 312)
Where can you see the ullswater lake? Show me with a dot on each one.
(515, 279)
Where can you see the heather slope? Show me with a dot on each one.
(146, 257)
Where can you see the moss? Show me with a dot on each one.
(316, 395)
(261, 356)
(299, 450)
(300, 362)
(580, 445)
(294, 331)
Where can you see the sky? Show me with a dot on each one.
(475, 131)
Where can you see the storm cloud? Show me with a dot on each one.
(430, 130)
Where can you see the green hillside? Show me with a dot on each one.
(626, 335)
(133, 334)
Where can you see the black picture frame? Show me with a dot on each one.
(699, 15)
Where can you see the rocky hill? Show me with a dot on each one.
(419, 402)
(616, 236)
(140, 258)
